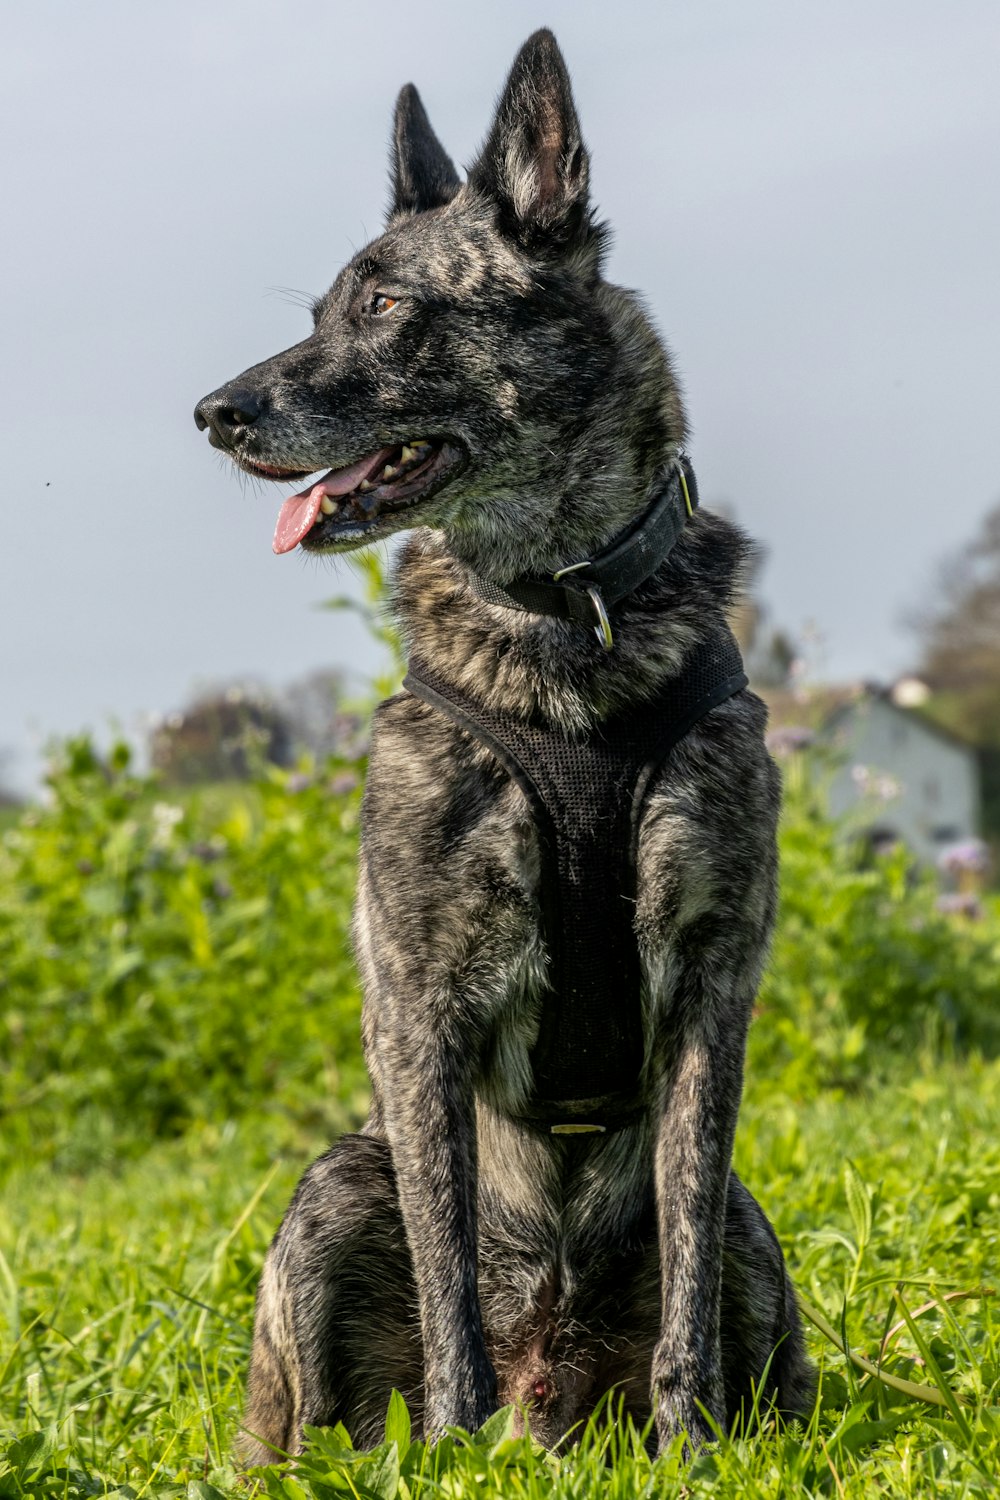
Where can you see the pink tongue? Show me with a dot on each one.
(296, 517)
(299, 512)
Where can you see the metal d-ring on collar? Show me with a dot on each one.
(603, 627)
(614, 572)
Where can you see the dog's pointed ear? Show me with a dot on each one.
(534, 164)
(423, 174)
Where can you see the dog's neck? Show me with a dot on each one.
(523, 663)
(585, 590)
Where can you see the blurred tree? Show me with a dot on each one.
(312, 708)
(769, 652)
(221, 736)
(959, 632)
(8, 798)
(319, 719)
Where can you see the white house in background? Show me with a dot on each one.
(899, 774)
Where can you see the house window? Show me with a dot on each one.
(882, 839)
(946, 833)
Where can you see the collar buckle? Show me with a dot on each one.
(572, 593)
(602, 624)
(560, 573)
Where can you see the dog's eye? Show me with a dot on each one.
(382, 303)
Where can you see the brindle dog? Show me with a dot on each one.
(473, 378)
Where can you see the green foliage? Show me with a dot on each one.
(125, 1313)
(126, 1307)
(864, 967)
(168, 963)
(373, 608)
(491, 1461)
(178, 1004)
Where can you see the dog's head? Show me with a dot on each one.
(469, 370)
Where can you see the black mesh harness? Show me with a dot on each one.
(586, 793)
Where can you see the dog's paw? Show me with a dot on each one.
(680, 1413)
(468, 1412)
(689, 1437)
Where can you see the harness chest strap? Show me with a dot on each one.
(586, 795)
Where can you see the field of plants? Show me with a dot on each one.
(179, 1036)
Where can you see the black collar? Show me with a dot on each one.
(585, 591)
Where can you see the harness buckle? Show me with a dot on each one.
(577, 1129)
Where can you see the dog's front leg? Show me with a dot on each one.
(701, 1056)
(430, 1121)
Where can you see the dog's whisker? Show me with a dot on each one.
(294, 296)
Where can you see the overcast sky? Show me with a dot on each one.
(808, 195)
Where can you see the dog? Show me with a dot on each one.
(474, 380)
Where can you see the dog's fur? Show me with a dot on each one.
(446, 1250)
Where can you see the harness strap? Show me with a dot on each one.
(586, 794)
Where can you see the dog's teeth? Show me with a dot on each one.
(327, 506)
(389, 472)
(366, 485)
(409, 454)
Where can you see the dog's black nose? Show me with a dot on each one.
(226, 412)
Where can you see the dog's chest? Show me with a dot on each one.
(580, 791)
(501, 880)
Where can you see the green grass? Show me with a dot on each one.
(127, 1304)
(178, 1037)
